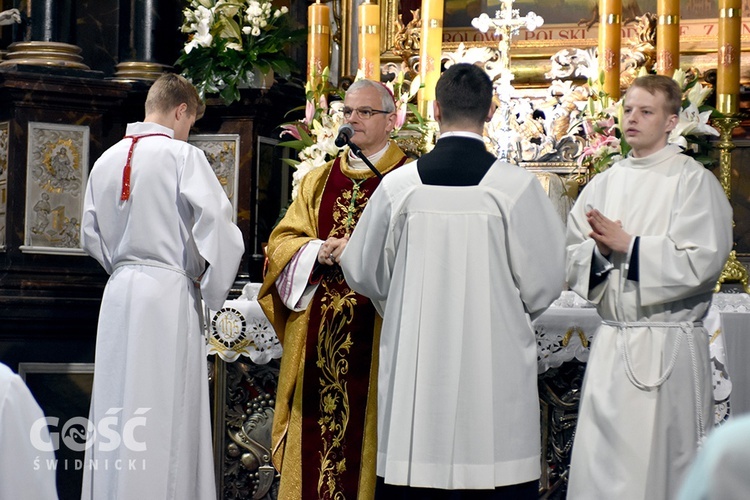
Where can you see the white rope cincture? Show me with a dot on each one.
(698, 399)
(686, 329)
(152, 263)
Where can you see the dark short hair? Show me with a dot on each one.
(664, 84)
(464, 93)
(169, 91)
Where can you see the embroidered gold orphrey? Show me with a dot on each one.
(334, 343)
(340, 338)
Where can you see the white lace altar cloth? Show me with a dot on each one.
(240, 328)
(565, 331)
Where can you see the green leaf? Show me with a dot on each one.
(230, 93)
(288, 161)
(295, 144)
(306, 137)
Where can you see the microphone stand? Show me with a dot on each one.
(359, 154)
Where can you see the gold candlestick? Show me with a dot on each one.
(734, 271)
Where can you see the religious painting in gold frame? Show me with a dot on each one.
(57, 167)
(531, 51)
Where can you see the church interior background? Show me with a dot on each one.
(73, 73)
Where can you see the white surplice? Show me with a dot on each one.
(463, 269)
(27, 459)
(635, 442)
(150, 381)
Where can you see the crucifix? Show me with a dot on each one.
(506, 23)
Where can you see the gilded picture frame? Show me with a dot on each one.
(57, 166)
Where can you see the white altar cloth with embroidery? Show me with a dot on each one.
(240, 328)
(565, 331)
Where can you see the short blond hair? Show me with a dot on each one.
(669, 88)
(169, 91)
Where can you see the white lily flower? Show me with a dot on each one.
(202, 36)
(693, 122)
(678, 140)
(680, 77)
(698, 94)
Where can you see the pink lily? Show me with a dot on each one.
(292, 130)
(309, 112)
(401, 116)
(607, 126)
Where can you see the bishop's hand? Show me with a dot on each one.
(330, 251)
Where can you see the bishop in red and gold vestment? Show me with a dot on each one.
(324, 442)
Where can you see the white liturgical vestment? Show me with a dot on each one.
(647, 394)
(150, 390)
(458, 273)
(27, 458)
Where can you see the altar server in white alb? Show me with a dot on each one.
(27, 456)
(647, 240)
(154, 216)
(460, 252)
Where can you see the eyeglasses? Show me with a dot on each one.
(364, 113)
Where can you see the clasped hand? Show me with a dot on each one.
(330, 251)
(608, 234)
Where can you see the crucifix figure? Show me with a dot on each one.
(506, 23)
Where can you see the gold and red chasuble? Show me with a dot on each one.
(338, 356)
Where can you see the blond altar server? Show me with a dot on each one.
(647, 240)
(157, 219)
(27, 458)
(459, 251)
(324, 423)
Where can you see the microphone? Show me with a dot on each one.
(343, 138)
(345, 133)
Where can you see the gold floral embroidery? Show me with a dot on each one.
(334, 343)
(347, 209)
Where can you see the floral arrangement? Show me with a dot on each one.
(605, 143)
(314, 135)
(230, 41)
